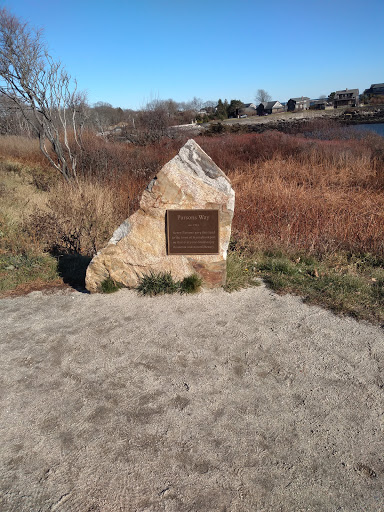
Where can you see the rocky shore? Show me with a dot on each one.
(290, 122)
(365, 115)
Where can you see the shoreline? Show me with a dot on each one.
(346, 117)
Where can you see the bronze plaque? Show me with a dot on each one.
(193, 231)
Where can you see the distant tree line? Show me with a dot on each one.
(156, 117)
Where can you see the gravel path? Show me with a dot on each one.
(216, 402)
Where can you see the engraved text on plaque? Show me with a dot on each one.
(193, 231)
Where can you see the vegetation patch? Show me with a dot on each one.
(342, 282)
(20, 269)
(110, 286)
(163, 282)
(309, 216)
(241, 270)
(190, 284)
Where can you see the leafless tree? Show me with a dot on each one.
(103, 117)
(209, 104)
(43, 92)
(12, 122)
(262, 96)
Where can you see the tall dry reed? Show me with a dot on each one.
(318, 209)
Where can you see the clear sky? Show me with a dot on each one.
(127, 52)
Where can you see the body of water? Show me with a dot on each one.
(374, 127)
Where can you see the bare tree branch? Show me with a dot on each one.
(262, 96)
(42, 92)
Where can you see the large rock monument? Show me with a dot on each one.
(183, 226)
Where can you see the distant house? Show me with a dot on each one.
(260, 110)
(298, 103)
(374, 90)
(346, 98)
(272, 107)
(319, 104)
(248, 109)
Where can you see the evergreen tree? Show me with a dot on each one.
(221, 110)
(234, 107)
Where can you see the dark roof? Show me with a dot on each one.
(353, 91)
(375, 89)
(270, 104)
(302, 98)
(247, 105)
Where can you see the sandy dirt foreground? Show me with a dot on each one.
(216, 402)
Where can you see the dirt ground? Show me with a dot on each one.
(247, 401)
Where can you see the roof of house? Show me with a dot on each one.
(248, 105)
(353, 91)
(271, 104)
(375, 89)
(302, 98)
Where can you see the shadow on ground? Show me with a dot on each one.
(72, 269)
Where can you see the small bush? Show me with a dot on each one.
(79, 218)
(155, 284)
(190, 284)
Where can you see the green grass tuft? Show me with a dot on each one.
(343, 283)
(110, 286)
(163, 282)
(190, 284)
(156, 284)
(240, 271)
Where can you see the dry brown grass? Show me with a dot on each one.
(302, 194)
(78, 218)
(292, 192)
(317, 209)
(21, 149)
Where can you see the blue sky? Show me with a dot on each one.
(128, 52)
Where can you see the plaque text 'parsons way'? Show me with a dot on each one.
(193, 231)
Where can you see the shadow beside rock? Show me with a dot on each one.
(72, 269)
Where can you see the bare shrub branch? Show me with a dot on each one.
(43, 92)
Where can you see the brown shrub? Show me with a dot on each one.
(110, 160)
(79, 218)
(233, 151)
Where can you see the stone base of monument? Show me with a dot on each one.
(183, 226)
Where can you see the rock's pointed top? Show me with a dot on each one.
(195, 161)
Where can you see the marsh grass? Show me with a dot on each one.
(241, 270)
